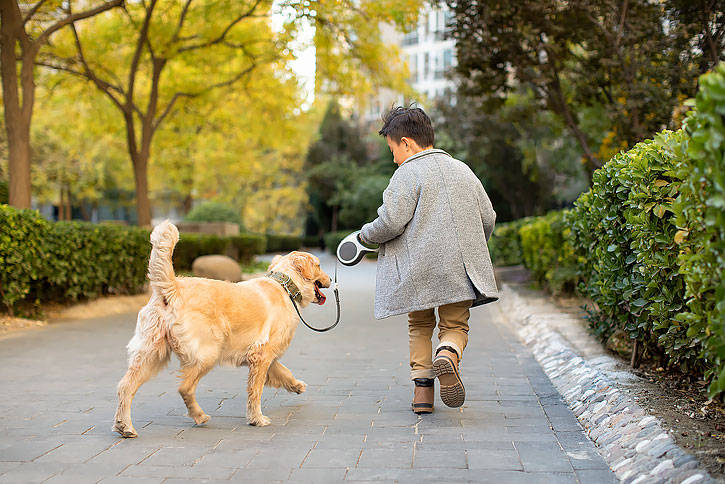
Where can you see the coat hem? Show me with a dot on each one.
(421, 307)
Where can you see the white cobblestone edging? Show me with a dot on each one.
(636, 447)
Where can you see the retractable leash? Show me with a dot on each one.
(349, 252)
(337, 302)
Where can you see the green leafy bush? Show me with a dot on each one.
(248, 245)
(699, 212)
(505, 243)
(548, 253)
(647, 242)
(624, 229)
(283, 243)
(42, 261)
(242, 247)
(311, 241)
(214, 212)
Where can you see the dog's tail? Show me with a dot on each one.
(161, 270)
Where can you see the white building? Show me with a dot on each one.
(430, 53)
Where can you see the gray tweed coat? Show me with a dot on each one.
(432, 229)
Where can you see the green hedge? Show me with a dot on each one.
(504, 246)
(42, 261)
(699, 212)
(283, 243)
(548, 252)
(647, 242)
(242, 247)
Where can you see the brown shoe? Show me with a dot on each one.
(445, 367)
(423, 396)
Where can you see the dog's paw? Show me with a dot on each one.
(126, 431)
(299, 387)
(201, 419)
(260, 421)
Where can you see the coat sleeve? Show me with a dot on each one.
(488, 215)
(393, 215)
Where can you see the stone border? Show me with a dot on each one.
(635, 446)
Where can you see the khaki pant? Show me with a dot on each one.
(452, 331)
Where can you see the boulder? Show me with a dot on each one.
(218, 267)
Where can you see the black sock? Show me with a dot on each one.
(449, 349)
(423, 382)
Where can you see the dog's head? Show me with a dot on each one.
(311, 275)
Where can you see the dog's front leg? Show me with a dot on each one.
(279, 375)
(258, 361)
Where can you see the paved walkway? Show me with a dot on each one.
(352, 424)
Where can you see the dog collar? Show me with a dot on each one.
(288, 284)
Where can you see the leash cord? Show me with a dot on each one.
(337, 302)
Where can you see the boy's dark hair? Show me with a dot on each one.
(409, 122)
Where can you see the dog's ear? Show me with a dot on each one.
(303, 264)
(275, 259)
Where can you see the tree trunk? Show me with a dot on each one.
(17, 117)
(143, 204)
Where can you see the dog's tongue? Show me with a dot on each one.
(321, 297)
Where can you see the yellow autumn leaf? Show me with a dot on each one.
(660, 182)
(680, 236)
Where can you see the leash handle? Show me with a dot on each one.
(337, 302)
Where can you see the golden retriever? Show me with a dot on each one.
(207, 322)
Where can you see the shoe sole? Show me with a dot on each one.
(421, 410)
(452, 391)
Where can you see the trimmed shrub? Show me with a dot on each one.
(283, 243)
(548, 253)
(647, 242)
(44, 261)
(311, 241)
(699, 212)
(624, 230)
(505, 243)
(214, 212)
(22, 252)
(248, 245)
(191, 246)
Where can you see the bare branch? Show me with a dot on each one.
(182, 17)
(74, 17)
(224, 33)
(211, 87)
(32, 11)
(88, 73)
(137, 54)
(69, 70)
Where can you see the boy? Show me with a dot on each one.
(432, 229)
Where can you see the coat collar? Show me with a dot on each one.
(423, 153)
(286, 282)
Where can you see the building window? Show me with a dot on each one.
(447, 59)
(411, 38)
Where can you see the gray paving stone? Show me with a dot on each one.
(540, 456)
(331, 458)
(494, 459)
(352, 424)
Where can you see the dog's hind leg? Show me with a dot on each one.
(143, 365)
(279, 375)
(190, 378)
(258, 360)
